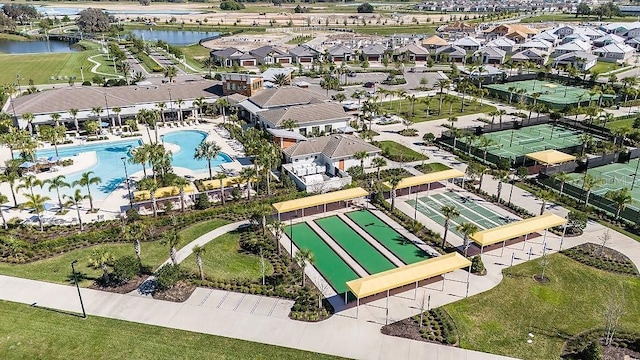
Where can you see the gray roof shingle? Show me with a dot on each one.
(284, 96)
(332, 146)
(305, 114)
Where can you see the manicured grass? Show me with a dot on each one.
(572, 18)
(391, 29)
(223, 260)
(13, 37)
(418, 113)
(33, 333)
(196, 230)
(432, 167)
(398, 152)
(196, 51)
(42, 67)
(603, 67)
(619, 124)
(498, 321)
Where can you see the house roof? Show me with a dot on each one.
(491, 51)
(588, 31)
(610, 38)
(270, 73)
(536, 43)
(614, 48)
(339, 50)
(414, 49)
(226, 53)
(303, 50)
(575, 45)
(509, 28)
(305, 114)
(434, 40)
(333, 146)
(459, 26)
(467, 41)
(501, 42)
(284, 96)
(452, 50)
(575, 55)
(529, 54)
(375, 49)
(546, 35)
(286, 134)
(263, 51)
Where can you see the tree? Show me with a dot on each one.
(93, 21)
(247, 175)
(171, 240)
(3, 200)
(11, 178)
(75, 200)
(87, 180)
(361, 155)
(92, 127)
(28, 117)
(29, 182)
(378, 162)
(198, 251)
(544, 196)
(501, 176)
(365, 8)
(278, 227)
(100, 258)
(485, 143)
(207, 150)
(589, 183)
(181, 183)
(74, 115)
(621, 197)
(394, 181)
(302, 258)
(281, 79)
(583, 9)
(449, 212)
(170, 72)
(231, 5)
(562, 177)
(57, 183)
(36, 202)
(161, 107)
(137, 231)
(544, 262)
(150, 185)
(220, 177)
(141, 155)
(466, 229)
(53, 135)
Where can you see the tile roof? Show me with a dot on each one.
(332, 146)
(434, 40)
(306, 114)
(501, 42)
(225, 53)
(467, 41)
(452, 50)
(375, 49)
(614, 48)
(491, 51)
(339, 50)
(284, 96)
(576, 54)
(529, 54)
(263, 51)
(414, 49)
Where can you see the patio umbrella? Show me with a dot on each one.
(27, 164)
(104, 124)
(53, 159)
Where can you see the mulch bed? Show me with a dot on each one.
(405, 328)
(540, 280)
(180, 292)
(618, 353)
(604, 259)
(121, 289)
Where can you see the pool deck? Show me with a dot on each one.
(113, 205)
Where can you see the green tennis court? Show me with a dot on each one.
(356, 246)
(399, 245)
(615, 176)
(551, 93)
(328, 263)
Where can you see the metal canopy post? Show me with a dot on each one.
(415, 294)
(468, 280)
(504, 242)
(564, 231)
(443, 279)
(386, 321)
(357, 307)
(526, 236)
(345, 296)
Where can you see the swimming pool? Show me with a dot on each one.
(109, 167)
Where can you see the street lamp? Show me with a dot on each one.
(162, 138)
(126, 179)
(75, 278)
(291, 235)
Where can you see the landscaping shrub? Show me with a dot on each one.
(86, 83)
(231, 5)
(477, 266)
(202, 202)
(168, 276)
(125, 269)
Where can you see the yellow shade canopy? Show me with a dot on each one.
(315, 200)
(426, 179)
(161, 192)
(550, 157)
(517, 228)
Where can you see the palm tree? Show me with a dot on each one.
(247, 175)
(117, 111)
(198, 251)
(87, 180)
(100, 258)
(75, 200)
(36, 202)
(56, 118)
(278, 228)
(221, 176)
(562, 177)
(361, 155)
(501, 176)
(340, 97)
(150, 185)
(198, 105)
(449, 212)
(281, 79)
(29, 182)
(171, 239)
(304, 257)
(137, 232)
(57, 183)
(480, 170)
(181, 183)
(11, 178)
(466, 229)
(621, 197)
(28, 117)
(223, 104)
(485, 142)
(378, 162)
(97, 110)
(589, 183)
(74, 115)
(546, 196)
(289, 124)
(587, 140)
(179, 102)
(3, 200)
(207, 150)
(394, 181)
(161, 107)
(500, 113)
(452, 120)
(170, 72)
(442, 84)
(141, 155)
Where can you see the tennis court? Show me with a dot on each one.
(396, 243)
(551, 93)
(470, 211)
(357, 247)
(512, 144)
(328, 263)
(615, 176)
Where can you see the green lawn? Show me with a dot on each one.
(42, 67)
(432, 167)
(32, 333)
(58, 269)
(498, 321)
(619, 124)
(223, 260)
(398, 152)
(392, 29)
(603, 67)
(195, 51)
(14, 37)
(571, 17)
(418, 113)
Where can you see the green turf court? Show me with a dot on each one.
(356, 246)
(470, 211)
(328, 263)
(396, 243)
(512, 144)
(551, 93)
(616, 176)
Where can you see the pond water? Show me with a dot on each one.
(174, 37)
(33, 47)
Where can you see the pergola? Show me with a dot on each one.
(319, 200)
(550, 157)
(406, 275)
(518, 228)
(419, 180)
(162, 192)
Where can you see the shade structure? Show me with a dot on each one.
(550, 157)
(161, 192)
(27, 164)
(410, 274)
(517, 228)
(226, 182)
(315, 200)
(426, 179)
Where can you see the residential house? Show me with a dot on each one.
(504, 44)
(283, 138)
(576, 36)
(373, 53)
(458, 27)
(304, 54)
(570, 47)
(269, 75)
(468, 43)
(564, 31)
(433, 42)
(580, 60)
(487, 72)
(412, 52)
(533, 55)
(608, 39)
(590, 32)
(277, 98)
(635, 43)
(632, 31)
(538, 44)
(548, 36)
(226, 57)
(489, 55)
(321, 164)
(269, 55)
(314, 119)
(516, 32)
(451, 53)
(244, 84)
(339, 53)
(614, 52)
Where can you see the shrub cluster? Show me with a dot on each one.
(438, 326)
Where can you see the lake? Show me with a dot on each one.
(33, 47)
(174, 37)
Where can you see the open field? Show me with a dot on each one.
(498, 321)
(418, 113)
(571, 18)
(33, 333)
(399, 152)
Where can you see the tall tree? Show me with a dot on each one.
(207, 150)
(170, 72)
(621, 197)
(36, 202)
(449, 212)
(302, 258)
(57, 183)
(87, 179)
(589, 183)
(198, 251)
(466, 229)
(76, 200)
(3, 200)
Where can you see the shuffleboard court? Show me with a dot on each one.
(328, 263)
(356, 246)
(395, 242)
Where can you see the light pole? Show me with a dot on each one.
(170, 102)
(126, 179)
(634, 175)
(291, 235)
(75, 278)
(162, 139)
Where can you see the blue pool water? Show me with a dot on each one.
(109, 165)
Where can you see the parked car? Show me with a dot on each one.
(369, 84)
